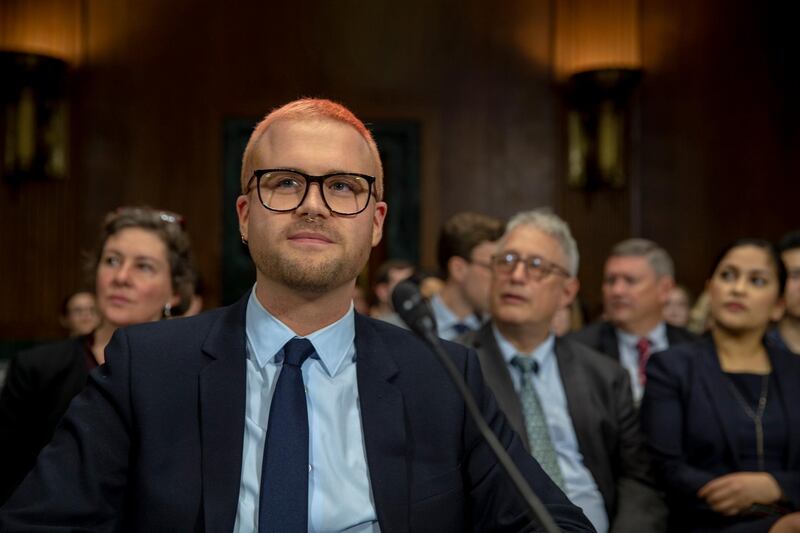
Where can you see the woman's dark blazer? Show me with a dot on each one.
(689, 414)
(39, 386)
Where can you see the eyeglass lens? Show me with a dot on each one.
(343, 193)
(535, 266)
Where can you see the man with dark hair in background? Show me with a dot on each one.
(637, 278)
(787, 333)
(466, 244)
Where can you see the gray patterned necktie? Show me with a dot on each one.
(535, 422)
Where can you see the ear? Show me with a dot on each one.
(568, 292)
(243, 212)
(378, 216)
(457, 268)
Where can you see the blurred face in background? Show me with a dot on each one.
(633, 292)
(478, 277)
(676, 310)
(80, 314)
(744, 291)
(133, 278)
(791, 259)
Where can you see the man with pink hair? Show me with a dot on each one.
(286, 411)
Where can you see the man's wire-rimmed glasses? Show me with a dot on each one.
(537, 267)
(285, 190)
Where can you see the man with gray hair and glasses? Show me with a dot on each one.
(571, 405)
(637, 279)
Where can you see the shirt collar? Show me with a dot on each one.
(657, 337)
(445, 318)
(267, 336)
(541, 354)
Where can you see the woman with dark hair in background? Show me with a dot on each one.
(721, 414)
(143, 271)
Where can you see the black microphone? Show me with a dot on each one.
(415, 311)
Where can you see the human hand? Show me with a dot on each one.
(733, 493)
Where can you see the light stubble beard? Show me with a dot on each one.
(308, 274)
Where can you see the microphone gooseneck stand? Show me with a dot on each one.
(415, 312)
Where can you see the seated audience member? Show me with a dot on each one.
(143, 272)
(387, 276)
(787, 334)
(637, 278)
(676, 310)
(571, 404)
(79, 313)
(720, 414)
(466, 244)
(286, 411)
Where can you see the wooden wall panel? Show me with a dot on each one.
(714, 152)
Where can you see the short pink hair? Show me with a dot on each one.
(312, 109)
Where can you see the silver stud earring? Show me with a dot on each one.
(167, 310)
(244, 240)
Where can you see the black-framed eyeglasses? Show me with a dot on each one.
(537, 267)
(283, 190)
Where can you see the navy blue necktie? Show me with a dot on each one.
(283, 502)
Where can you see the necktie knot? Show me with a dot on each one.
(643, 346)
(296, 351)
(526, 365)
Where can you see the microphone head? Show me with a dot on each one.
(413, 308)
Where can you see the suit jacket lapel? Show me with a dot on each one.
(498, 378)
(717, 387)
(383, 421)
(222, 390)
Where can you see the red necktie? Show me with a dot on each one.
(643, 347)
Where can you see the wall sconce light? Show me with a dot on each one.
(34, 117)
(597, 127)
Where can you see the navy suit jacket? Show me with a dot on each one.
(689, 416)
(154, 443)
(40, 384)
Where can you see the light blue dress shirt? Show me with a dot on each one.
(446, 320)
(580, 485)
(339, 493)
(629, 354)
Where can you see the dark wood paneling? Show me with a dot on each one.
(715, 147)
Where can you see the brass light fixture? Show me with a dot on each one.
(597, 64)
(33, 110)
(597, 127)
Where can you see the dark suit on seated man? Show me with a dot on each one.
(286, 411)
(637, 279)
(572, 404)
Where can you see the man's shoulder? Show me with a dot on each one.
(51, 354)
(592, 334)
